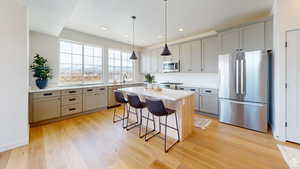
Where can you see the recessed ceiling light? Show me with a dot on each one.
(159, 36)
(180, 29)
(104, 28)
(126, 36)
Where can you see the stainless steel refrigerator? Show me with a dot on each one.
(244, 89)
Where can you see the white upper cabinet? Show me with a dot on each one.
(210, 55)
(196, 60)
(186, 58)
(269, 35)
(253, 37)
(229, 41)
(159, 61)
(175, 51)
(154, 61)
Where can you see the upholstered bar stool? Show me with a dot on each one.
(120, 99)
(135, 102)
(157, 108)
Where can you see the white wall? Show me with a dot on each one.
(14, 75)
(286, 17)
(205, 80)
(48, 46)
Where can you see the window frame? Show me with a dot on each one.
(83, 62)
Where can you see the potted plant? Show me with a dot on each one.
(41, 70)
(149, 79)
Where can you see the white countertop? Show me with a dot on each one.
(53, 88)
(201, 86)
(165, 94)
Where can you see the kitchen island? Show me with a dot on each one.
(181, 101)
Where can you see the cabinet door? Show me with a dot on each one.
(208, 104)
(46, 108)
(196, 58)
(210, 55)
(154, 61)
(253, 37)
(143, 63)
(269, 35)
(229, 41)
(93, 101)
(175, 51)
(159, 61)
(185, 58)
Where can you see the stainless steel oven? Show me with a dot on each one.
(171, 66)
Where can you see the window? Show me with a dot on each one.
(80, 63)
(119, 64)
(114, 65)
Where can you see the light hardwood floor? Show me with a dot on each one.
(94, 142)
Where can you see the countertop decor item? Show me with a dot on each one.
(41, 70)
(149, 79)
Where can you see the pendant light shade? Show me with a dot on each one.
(166, 51)
(133, 55)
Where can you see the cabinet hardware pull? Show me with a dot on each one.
(73, 99)
(102, 89)
(89, 90)
(72, 109)
(208, 91)
(72, 91)
(47, 94)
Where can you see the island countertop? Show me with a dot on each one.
(164, 94)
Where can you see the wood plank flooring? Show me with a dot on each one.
(93, 142)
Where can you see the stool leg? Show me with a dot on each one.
(159, 124)
(147, 127)
(141, 122)
(124, 111)
(166, 122)
(114, 115)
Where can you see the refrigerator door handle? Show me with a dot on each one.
(242, 76)
(237, 88)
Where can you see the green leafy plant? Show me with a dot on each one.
(149, 78)
(40, 68)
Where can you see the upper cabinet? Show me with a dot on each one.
(210, 55)
(229, 41)
(246, 38)
(253, 37)
(196, 56)
(269, 35)
(186, 57)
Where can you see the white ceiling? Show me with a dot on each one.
(194, 16)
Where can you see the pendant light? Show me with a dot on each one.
(166, 51)
(133, 55)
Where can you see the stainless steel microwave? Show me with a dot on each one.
(171, 66)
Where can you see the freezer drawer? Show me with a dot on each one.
(244, 114)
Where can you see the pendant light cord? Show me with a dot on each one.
(166, 26)
(133, 31)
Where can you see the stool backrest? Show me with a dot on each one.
(134, 101)
(156, 107)
(119, 97)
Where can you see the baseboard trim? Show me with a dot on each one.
(9, 146)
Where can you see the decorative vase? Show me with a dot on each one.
(41, 83)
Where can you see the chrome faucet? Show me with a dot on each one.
(124, 77)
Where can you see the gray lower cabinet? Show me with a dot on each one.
(46, 108)
(94, 98)
(209, 101)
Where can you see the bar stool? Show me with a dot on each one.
(135, 102)
(120, 99)
(157, 108)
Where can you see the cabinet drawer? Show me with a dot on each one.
(94, 89)
(209, 91)
(71, 109)
(71, 92)
(72, 99)
(46, 94)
